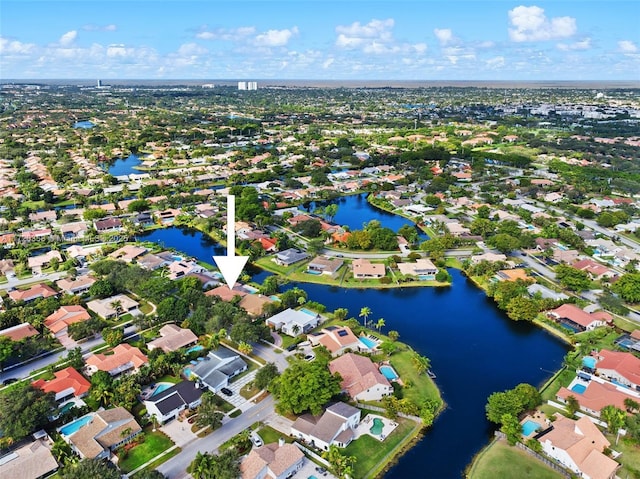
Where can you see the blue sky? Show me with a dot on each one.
(313, 39)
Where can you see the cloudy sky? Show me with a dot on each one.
(314, 39)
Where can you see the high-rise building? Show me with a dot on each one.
(99, 83)
(247, 85)
(242, 85)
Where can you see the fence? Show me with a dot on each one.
(539, 457)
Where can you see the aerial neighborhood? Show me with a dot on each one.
(399, 240)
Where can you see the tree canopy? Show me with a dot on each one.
(24, 409)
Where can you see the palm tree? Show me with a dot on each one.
(365, 312)
(421, 363)
(380, 324)
(117, 306)
(341, 314)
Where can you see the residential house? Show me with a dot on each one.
(361, 378)
(143, 219)
(167, 217)
(72, 231)
(595, 270)
(225, 294)
(272, 461)
(293, 322)
(324, 265)
(172, 338)
(545, 243)
(124, 358)
(48, 216)
(79, 285)
(167, 404)
(58, 321)
(512, 275)
(337, 339)
(103, 433)
(30, 461)
(456, 229)
(36, 291)
(128, 253)
(267, 244)
(365, 269)
(254, 304)
(568, 256)
(7, 268)
(597, 395)
(622, 368)
(545, 293)
(578, 319)
(8, 240)
(335, 427)
(19, 332)
(579, 445)
(491, 257)
(218, 367)
(108, 225)
(152, 261)
(81, 253)
(67, 383)
(289, 257)
(36, 234)
(182, 268)
(42, 261)
(108, 308)
(423, 268)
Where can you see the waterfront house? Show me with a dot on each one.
(597, 395)
(124, 358)
(272, 461)
(152, 261)
(337, 339)
(218, 367)
(36, 234)
(225, 294)
(595, 270)
(19, 332)
(172, 338)
(36, 291)
(619, 367)
(67, 383)
(512, 275)
(108, 225)
(325, 266)
(423, 267)
(545, 293)
(289, 257)
(578, 319)
(79, 285)
(182, 268)
(293, 322)
(167, 404)
(33, 460)
(72, 231)
(42, 261)
(143, 219)
(254, 304)
(48, 216)
(365, 269)
(335, 427)
(361, 378)
(108, 308)
(58, 321)
(128, 253)
(578, 446)
(103, 433)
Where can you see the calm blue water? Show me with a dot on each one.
(197, 347)
(474, 348)
(529, 427)
(354, 211)
(589, 362)
(73, 427)
(125, 166)
(83, 124)
(161, 387)
(389, 373)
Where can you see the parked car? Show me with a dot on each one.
(256, 440)
(226, 391)
(8, 381)
(309, 357)
(321, 470)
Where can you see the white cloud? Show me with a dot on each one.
(357, 35)
(328, 62)
(15, 47)
(627, 46)
(68, 38)
(190, 49)
(531, 24)
(444, 35)
(276, 38)
(576, 46)
(91, 27)
(227, 34)
(495, 62)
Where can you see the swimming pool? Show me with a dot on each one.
(161, 387)
(73, 427)
(529, 427)
(368, 343)
(310, 313)
(197, 347)
(579, 388)
(274, 297)
(310, 271)
(389, 373)
(376, 429)
(589, 362)
(187, 372)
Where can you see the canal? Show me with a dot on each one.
(474, 349)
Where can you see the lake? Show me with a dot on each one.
(474, 348)
(354, 211)
(124, 166)
(83, 124)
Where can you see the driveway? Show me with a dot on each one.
(179, 432)
(236, 399)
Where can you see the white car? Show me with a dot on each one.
(256, 440)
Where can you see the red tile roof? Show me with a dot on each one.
(65, 379)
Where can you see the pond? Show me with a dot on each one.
(124, 166)
(83, 124)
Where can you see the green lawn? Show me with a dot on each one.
(269, 435)
(154, 444)
(562, 379)
(372, 454)
(500, 460)
(418, 387)
(630, 458)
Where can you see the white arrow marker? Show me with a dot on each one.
(231, 265)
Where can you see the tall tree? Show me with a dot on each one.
(365, 312)
(24, 409)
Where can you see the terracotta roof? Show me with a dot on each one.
(358, 373)
(79, 283)
(625, 364)
(576, 315)
(65, 316)
(122, 355)
(364, 267)
(225, 294)
(172, 337)
(35, 291)
(336, 338)
(513, 274)
(254, 303)
(65, 379)
(19, 331)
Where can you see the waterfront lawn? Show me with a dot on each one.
(563, 379)
(154, 443)
(372, 454)
(502, 460)
(630, 458)
(418, 387)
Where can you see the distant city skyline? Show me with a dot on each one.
(412, 40)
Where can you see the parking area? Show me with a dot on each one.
(179, 432)
(311, 469)
(236, 399)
